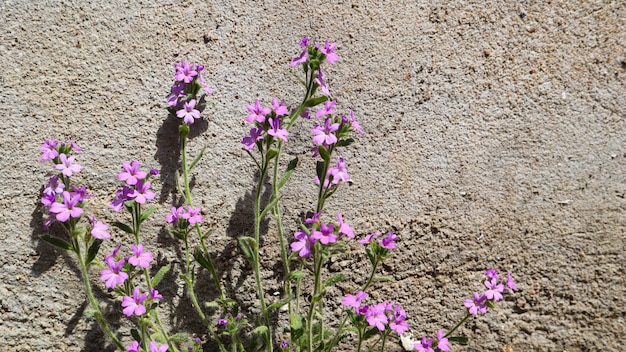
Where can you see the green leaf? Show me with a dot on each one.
(123, 227)
(290, 168)
(248, 247)
(271, 154)
(335, 279)
(294, 275)
(260, 330)
(315, 101)
(57, 242)
(369, 333)
(383, 279)
(159, 275)
(344, 142)
(135, 334)
(93, 251)
(270, 206)
(279, 303)
(201, 259)
(319, 171)
(324, 153)
(212, 304)
(197, 159)
(180, 337)
(144, 215)
(461, 340)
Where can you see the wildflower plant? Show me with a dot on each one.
(304, 251)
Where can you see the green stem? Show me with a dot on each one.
(317, 258)
(257, 269)
(369, 280)
(457, 325)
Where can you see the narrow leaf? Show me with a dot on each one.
(324, 153)
(159, 275)
(344, 142)
(197, 159)
(57, 242)
(279, 303)
(270, 206)
(315, 101)
(290, 168)
(93, 250)
(462, 340)
(261, 330)
(123, 227)
(294, 275)
(248, 247)
(383, 279)
(335, 279)
(201, 259)
(135, 334)
(144, 215)
(319, 170)
(271, 154)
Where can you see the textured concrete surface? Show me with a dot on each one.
(495, 137)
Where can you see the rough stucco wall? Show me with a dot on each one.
(495, 137)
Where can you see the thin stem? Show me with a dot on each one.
(369, 280)
(317, 262)
(257, 269)
(457, 325)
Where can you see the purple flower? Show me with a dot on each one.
(192, 215)
(279, 107)
(369, 238)
(302, 58)
(67, 165)
(48, 149)
(156, 348)
(304, 41)
(355, 124)
(98, 228)
(155, 295)
(131, 173)
(397, 323)
(276, 131)
(114, 275)
(188, 113)
(175, 214)
(154, 172)
(80, 192)
(477, 305)
(203, 83)
(328, 50)
(510, 283)
(123, 195)
(424, 345)
(313, 219)
(389, 241)
(494, 290)
(133, 347)
(325, 235)
(256, 134)
(68, 209)
(324, 135)
(184, 72)
(139, 257)
(303, 244)
(72, 145)
(142, 194)
(492, 274)
(339, 172)
(320, 82)
(354, 301)
(442, 342)
(306, 113)
(133, 304)
(376, 316)
(344, 227)
(223, 322)
(177, 91)
(257, 112)
(327, 109)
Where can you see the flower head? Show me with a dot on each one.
(321, 82)
(300, 59)
(442, 342)
(327, 109)
(134, 304)
(133, 347)
(495, 290)
(48, 149)
(354, 301)
(114, 275)
(323, 135)
(131, 173)
(279, 107)
(376, 316)
(68, 208)
(193, 215)
(174, 215)
(389, 241)
(369, 238)
(188, 113)
(256, 134)
(344, 227)
(510, 283)
(98, 228)
(184, 72)
(325, 234)
(477, 305)
(156, 348)
(491, 274)
(424, 345)
(139, 257)
(303, 244)
(67, 165)
(177, 91)
(276, 131)
(142, 192)
(257, 112)
(328, 50)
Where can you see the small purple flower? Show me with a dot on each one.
(376, 316)
(442, 342)
(313, 219)
(494, 290)
(98, 228)
(284, 344)
(424, 345)
(327, 109)
(114, 275)
(67, 165)
(344, 227)
(389, 241)
(131, 173)
(123, 195)
(325, 234)
(303, 244)
(323, 135)
(175, 214)
(355, 124)
(203, 83)
(328, 50)
(155, 295)
(142, 192)
(257, 112)
(276, 131)
(510, 283)
(321, 83)
(491, 274)
(222, 322)
(48, 149)
(154, 172)
(279, 107)
(256, 134)
(477, 305)
(354, 301)
(73, 146)
(340, 172)
(369, 238)
(133, 347)
(80, 192)
(139, 257)
(177, 91)
(304, 41)
(68, 209)
(300, 59)
(156, 348)
(188, 113)
(193, 215)
(134, 304)
(398, 323)
(184, 72)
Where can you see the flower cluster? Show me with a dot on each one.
(267, 124)
(311, 58)
(136, 187)
(324, 233)
(183, 98)
(426, 345)
(495, 288)
(382, 316)
(135, 346)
